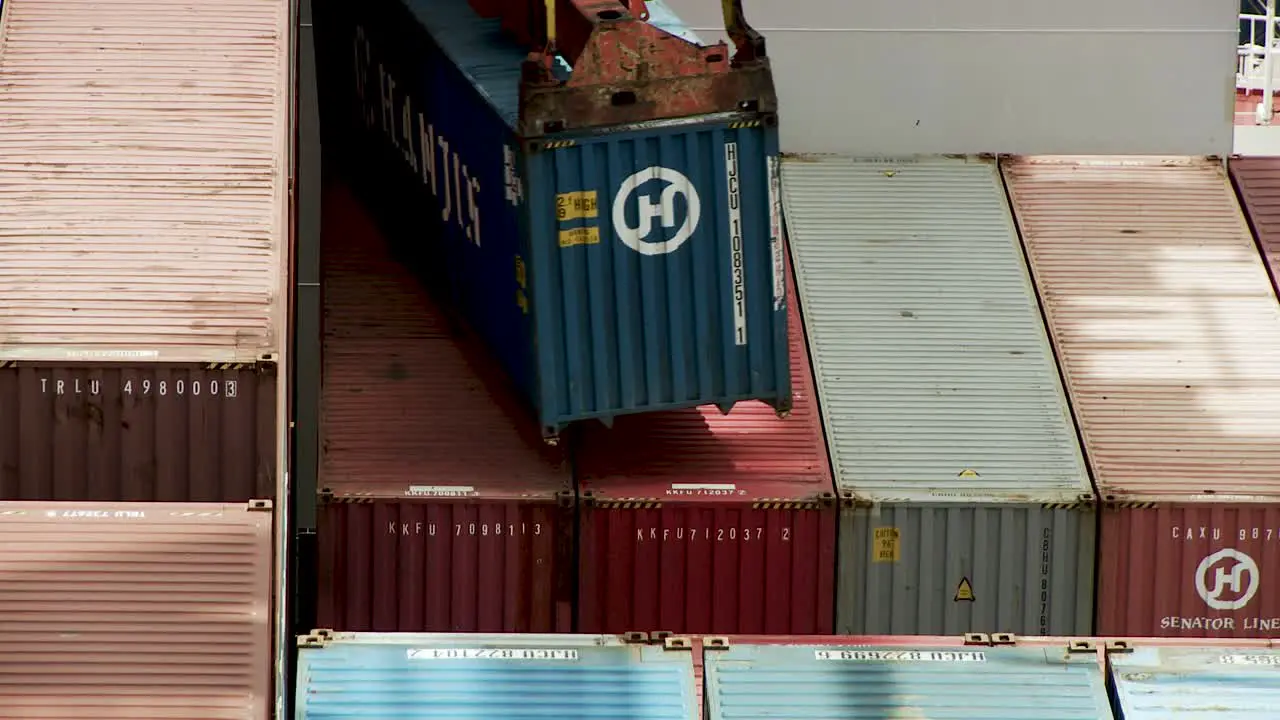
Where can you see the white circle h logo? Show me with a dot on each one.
(633, 236)
(1240, 577)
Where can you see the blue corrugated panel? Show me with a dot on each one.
(1196, 684)
(494, 677)
(621, 271)
(822, 682)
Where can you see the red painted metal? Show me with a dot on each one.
(698, 522)
(1155, 562)
(624, 69)
(136, 611)
(442, 509)
(131, 432)
(414, 565)
(1257, 181)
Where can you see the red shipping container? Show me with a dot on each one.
(441, 508)
(698, 522)
(1191, 570)
(1168, 330)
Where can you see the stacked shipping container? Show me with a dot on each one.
(611, 271)
(145, 243)
(967, 506)
(1168, 331)
(495, 676)
(1232, 681)
(135, 610)
(441, 508)
(699, 522)
(903, 677)
(144, 247)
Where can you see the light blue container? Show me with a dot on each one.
(827, 682)
(1178, 683)
(493, 677)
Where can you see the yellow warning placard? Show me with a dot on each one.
(885, 545)
(968, 473)
(574, 205)
(964, 591)
(580, 236)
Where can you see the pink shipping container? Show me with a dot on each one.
(1168, 332)
(699, 522)
(135, 611)
(441, 508)
(145, 151)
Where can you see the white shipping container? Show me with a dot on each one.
(951, 438)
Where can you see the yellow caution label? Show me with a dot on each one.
(968, 473)
(964, 591)
(885, 548)
(574, 205)
(580, 236)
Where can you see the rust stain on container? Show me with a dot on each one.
(699, 522)
(1207, 570)
(135, 611)
(443, 510)
(144, 154)
(131, 432)
(1165, 323)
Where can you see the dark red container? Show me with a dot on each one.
(1257, 181)
(441, 508)
(698, 522)
(133, 432)
(1209, 570)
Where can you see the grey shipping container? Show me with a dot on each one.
(131, 432)
(966, 502)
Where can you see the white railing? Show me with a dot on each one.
(1251, 55)
(1252, 61)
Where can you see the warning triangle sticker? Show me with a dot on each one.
(968, 473)
(964, 592)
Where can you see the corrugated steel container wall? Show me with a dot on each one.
(144, 174)
(415, 565)
(1257, 181)
(952, 441)
(622, 272)
(1158, 683)
(136, 610)
(1165, 321)
(428, 521)
(735, 527)
(869, 679)
(137, 432)
(943, 568)
(496, 677)
(935, 375)
(1190, 570)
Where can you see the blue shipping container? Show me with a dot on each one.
(1218, 683)
(896, 681)
(614, 271)
(498, 677)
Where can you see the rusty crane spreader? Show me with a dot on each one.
(624, 70)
